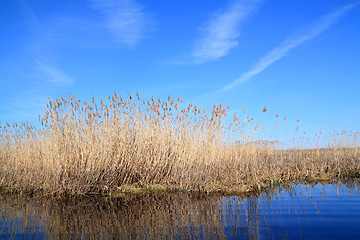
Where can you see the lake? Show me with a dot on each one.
(294, 211)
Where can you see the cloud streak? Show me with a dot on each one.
(294, 41)
(54, 74)
(221, 32)
(29, 12)
(125, 19)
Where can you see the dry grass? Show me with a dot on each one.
(85, 148)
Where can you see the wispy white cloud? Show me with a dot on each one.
(29, 12)
(49, 71)
(125, 19)
(54, 74)
(124, 23)
(221, 32)
(279, 52)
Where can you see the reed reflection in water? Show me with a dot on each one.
(290, 212)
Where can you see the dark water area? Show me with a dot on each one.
(296, 211)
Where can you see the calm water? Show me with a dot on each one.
(330, 211)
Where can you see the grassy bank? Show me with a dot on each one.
(100, 147)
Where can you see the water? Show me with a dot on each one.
(321, 211)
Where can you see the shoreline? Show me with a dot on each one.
(129, 192)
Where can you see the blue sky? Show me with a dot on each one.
(299, 58)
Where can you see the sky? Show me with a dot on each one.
(299, 58)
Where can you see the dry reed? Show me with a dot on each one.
(85, 148)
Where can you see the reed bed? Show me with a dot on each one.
(100, 147)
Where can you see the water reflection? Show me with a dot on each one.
(290, 212)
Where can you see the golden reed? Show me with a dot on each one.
(99, 147)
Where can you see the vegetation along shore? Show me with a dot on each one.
(122, 145)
